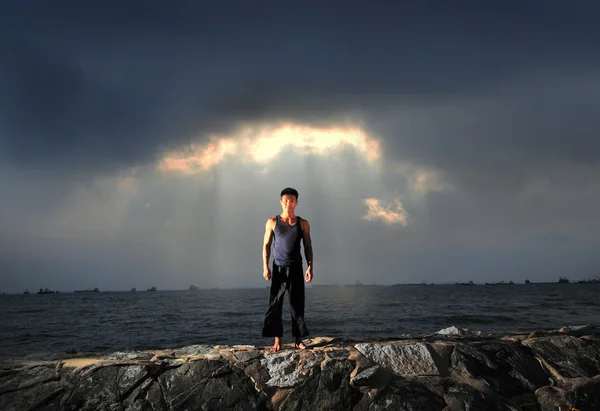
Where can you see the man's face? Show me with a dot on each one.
(288, 203)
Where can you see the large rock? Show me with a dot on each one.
(104, 387)
(30, 387)
(586, 397)
(326, 389)
(207, 384)
(433, 373)
(196, 350)
(567, 356)
(403, 359)
(290, 368)
(509, 369)
(375, 377)
(404, 395)
(463, 397)
(582, 396)
(15, 380)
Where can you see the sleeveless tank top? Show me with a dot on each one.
(287, 243)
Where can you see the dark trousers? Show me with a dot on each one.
(290, 278)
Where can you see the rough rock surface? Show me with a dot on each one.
(445, 371)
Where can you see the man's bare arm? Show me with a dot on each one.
(308, 251)
(268, 239)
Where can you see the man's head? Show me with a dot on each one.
(289, 199)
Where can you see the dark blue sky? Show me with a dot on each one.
(484, 118)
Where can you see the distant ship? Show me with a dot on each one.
(193, 287)
(423, 283)
(26, 291)
(47, 291)
(589, 281)
(469, 283)
(563, 280)
(359, 284)
(133, 289)
(89, 290)
(501, 283)
(151, 289)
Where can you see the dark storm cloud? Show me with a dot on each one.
(115, 83)
(521, 132)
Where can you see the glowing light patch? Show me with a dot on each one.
(200, 158)
(263, 144)
(127, 185)
(394, 213)
(423, 180)
(426, 180)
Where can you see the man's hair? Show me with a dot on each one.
(289, 191)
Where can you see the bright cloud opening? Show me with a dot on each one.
(393, 213)
(263, 144)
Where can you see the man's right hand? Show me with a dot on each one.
(267, 273)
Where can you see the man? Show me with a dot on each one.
(287, 230)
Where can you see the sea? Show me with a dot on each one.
(104, 322)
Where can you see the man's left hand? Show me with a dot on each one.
(309, 275)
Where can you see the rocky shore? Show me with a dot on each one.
(453, 369)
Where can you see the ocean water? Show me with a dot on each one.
(115, 321)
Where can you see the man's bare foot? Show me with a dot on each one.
(277, 346)
(299, 344)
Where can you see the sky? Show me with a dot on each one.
(146, 143)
